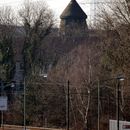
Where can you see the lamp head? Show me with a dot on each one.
(45, 75)
(13, 84)
(120, 77)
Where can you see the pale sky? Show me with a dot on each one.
(56, 5)
(59, 5)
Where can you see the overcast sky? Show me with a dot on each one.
(56, 5)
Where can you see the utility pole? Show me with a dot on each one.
(119, 78)
(24, 105)
(2, 119)
(118, 114)
(68, 106)
(98, 105)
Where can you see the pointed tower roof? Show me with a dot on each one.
(73, 10)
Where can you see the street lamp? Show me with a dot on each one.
(24, 105)
(119, 78)
(45, 75)
(68, 105)
(98, 105)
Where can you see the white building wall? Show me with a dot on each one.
(123, 125)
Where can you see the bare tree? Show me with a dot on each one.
(115, 24)
(38, 21)
(7, 29)
(79, 69)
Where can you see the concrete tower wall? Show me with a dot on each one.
(73, 27)
(73, 20)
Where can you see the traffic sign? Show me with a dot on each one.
(3, 103)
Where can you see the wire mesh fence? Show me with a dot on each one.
(61, 105)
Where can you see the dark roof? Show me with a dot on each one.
(73, 11)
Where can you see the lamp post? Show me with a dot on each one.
(98, 105)
(68, 105)
(120, 78)
(45, 76)
(118, 86)
(24, 105)
(2, 110)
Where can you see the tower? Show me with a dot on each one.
(73, 20)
